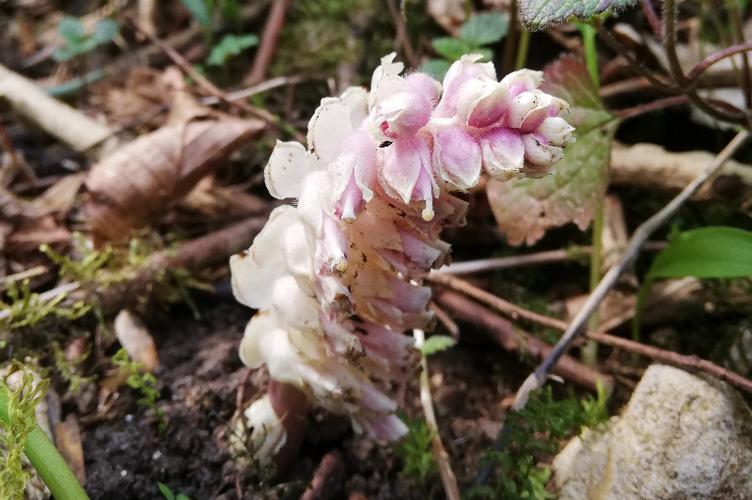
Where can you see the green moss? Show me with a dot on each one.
(536, 433)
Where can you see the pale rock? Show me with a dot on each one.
(680, 437)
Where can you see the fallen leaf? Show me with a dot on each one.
(211, 199)
(526, 208)
(143, 178)
(68, 442)
(58, 198)
(136, 339)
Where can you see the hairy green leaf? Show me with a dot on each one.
(708, 252)
(485, 28)
(437, 343)
(537, 14)
(526, 208)
(229, 46)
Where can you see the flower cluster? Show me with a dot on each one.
(337, 277)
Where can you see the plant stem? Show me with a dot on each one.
(589, 353)
(46, 459)
(448, 479)
(522, 49)
(591, 54)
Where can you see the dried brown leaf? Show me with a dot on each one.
(68, 442)
(58, 198)
(143, 178)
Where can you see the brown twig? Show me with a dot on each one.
(326, 478)
(402, 37)
(513, 339)
(275, 22)
(658, 104)
(445, 320)
(681, 360)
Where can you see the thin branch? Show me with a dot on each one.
(448, 479)
(634, 63)
(536, 379)
(514, 311)
(531, 259)
(275, 22)
(402, 37)
(652, 17)
(713, 58)
(641, 109)
(677, 73)
(514, 339)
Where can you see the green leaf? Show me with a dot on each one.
(230, 45)
(199, 11)
(105, 30)
(709, 252)
(71, 29)
(182, 496)
(485, 28)
(451, 48)
(437, 343)
(437, 68)
(66, 53)
(166, 491)
(537, 14)
(526, 208)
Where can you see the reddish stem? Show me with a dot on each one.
(713, 58)
(652, 17)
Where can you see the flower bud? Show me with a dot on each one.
(557, 131)
(540, 153)
(503, 153)
(457, 158)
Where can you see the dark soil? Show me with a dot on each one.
(127, 454)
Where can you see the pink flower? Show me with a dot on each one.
(407, 171)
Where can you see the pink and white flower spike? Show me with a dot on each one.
(337, 276)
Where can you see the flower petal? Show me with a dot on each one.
(539, 153)
(328, 126)
(287, 167)
(458, 158)
(263, 263)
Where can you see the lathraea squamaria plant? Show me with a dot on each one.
(337, 274)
